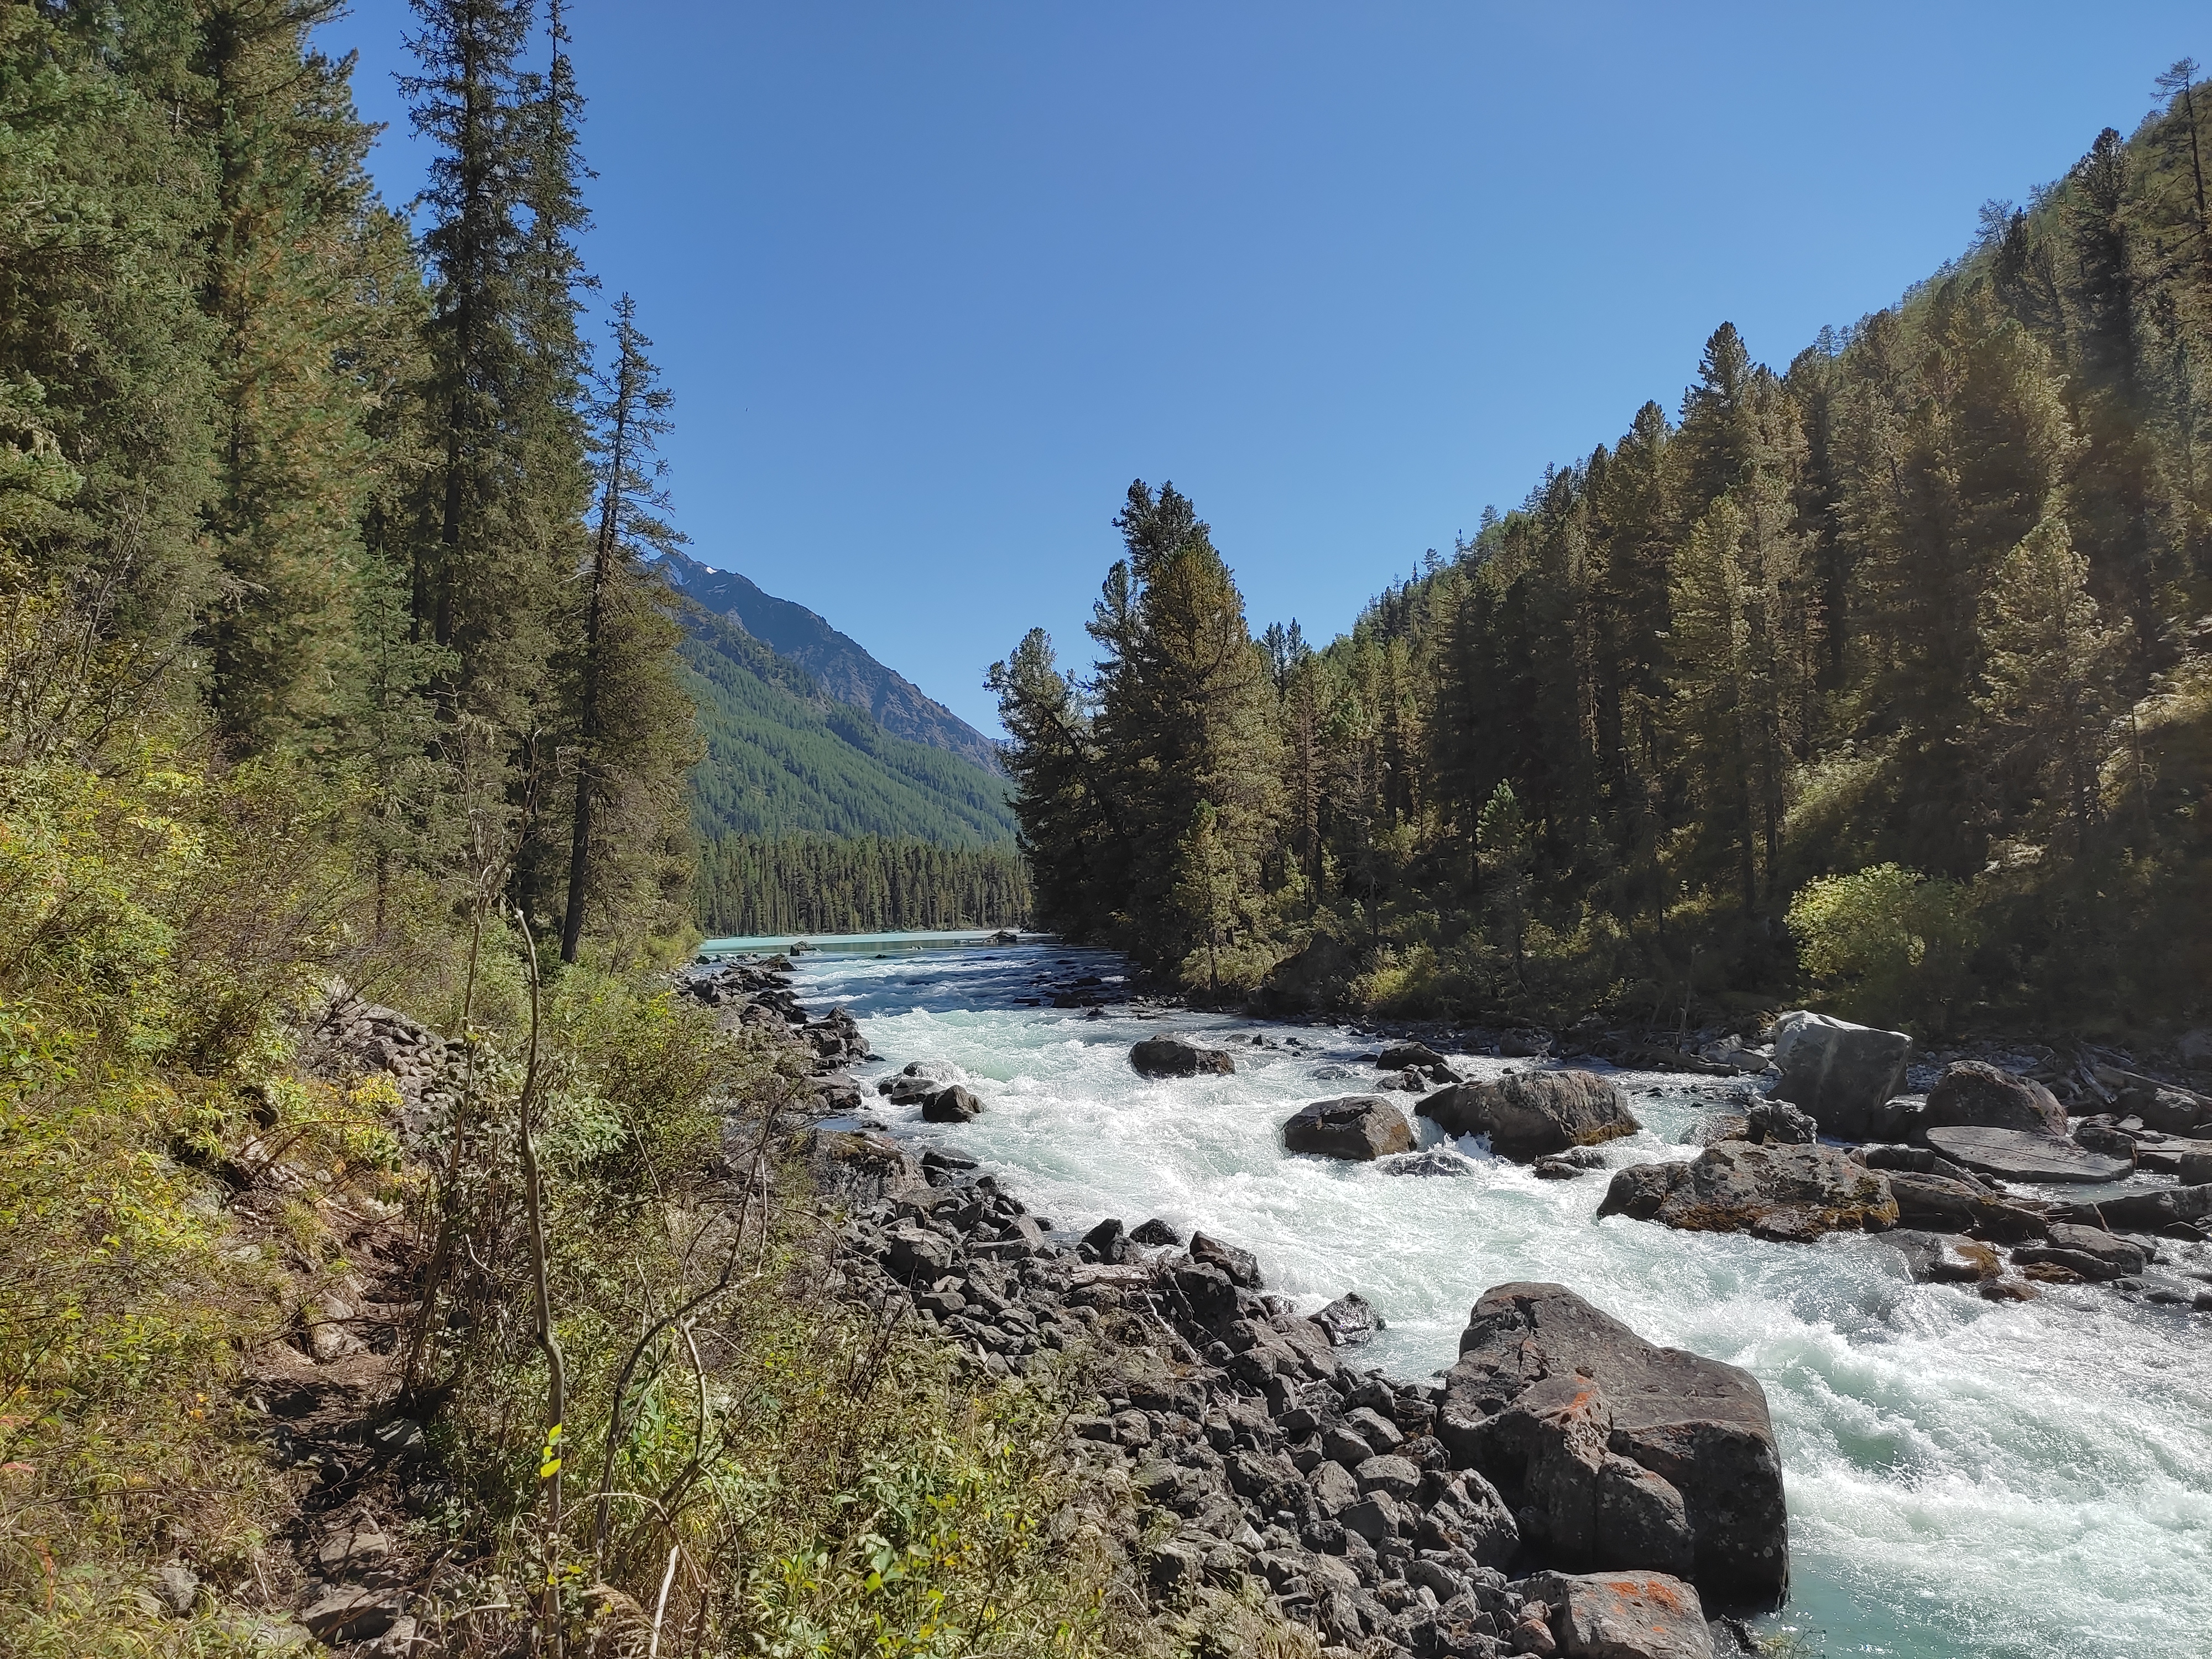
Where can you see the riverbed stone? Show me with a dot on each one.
(1179, 1056)
(1355, 1127)
(1946, 1204)
(1699, 1424)
(2025, 1154)
(1844, 1074)
(951, 1105)
(1529, 1114)
(2090, 1251)
(1788, 1193)
(1624, 1616)
(2147, 1212)
(1973, 1093)
(1402, 1056)
(1349, 1320)
(1241, 1267)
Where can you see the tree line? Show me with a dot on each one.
(753, 885)
(1890, 667)
(339, 495)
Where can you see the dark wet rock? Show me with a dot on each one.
(1556, 1169)
(905, 1091)
(1404, 1056)
(1106, 1242)
(1697, 1424)
(1435, 1161)
(1206, 1290)
(1778, 1122)
(1528, 1115)
(1350, 1319)
(1933, 1258)
(1790, 1193)
(1155, 1232)
(1178, 1056)
(1972, 1093)
(2167, 1110)
(2091, 1252)
(1241, 1267)
(1948, 1205)
(954, 1104)
(1624, 1616)
(2024, 1155)
(1355, 1127)
(2147, 1212)
(1845, 1075)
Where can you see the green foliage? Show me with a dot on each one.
(1931, 599)
(750, 885)
(1886, 945)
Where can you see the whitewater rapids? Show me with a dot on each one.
(2003, 1480)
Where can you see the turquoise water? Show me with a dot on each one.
(2013, 1480)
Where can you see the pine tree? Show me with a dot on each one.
(2047, 679)
(627, 646)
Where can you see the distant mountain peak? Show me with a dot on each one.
(836, 662)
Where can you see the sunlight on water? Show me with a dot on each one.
(1965, 1477)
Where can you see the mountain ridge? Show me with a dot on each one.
(839, 665)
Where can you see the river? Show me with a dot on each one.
(2015, 1480)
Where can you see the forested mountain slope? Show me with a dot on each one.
(1888, 676)
(837, 664)
(784, 757)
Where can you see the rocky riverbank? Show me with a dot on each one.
(1567, 1487)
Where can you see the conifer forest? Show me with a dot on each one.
(435, 1223)
(1885, 674)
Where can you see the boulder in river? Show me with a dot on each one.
(1155, 1232)
(1349, 1319)
(2026, 1155)
(1357, 1127)
(1788, 1193)
(2089, 1251)
(1842, 1073)
(1399, 1056)
(1624, 1616)
(953, 1104)
(1781, 1123)
(2150, 1212)
(1241, 1266)
(1178, 1056)
(1972, 1093)
(1699, 1425)
(1106, 1242)
(1528, 1113)
(1945, 1204)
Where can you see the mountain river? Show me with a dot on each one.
(1966, 1478)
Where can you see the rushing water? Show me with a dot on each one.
(1964, 1476)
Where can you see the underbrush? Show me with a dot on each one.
(737, 1459)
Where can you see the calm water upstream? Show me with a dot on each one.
(1965, 1477)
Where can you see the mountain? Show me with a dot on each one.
(784, 756)
(836, 663)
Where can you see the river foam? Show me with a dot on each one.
(2016, 1481)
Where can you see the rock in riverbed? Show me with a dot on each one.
(1528, 1113)
(1624, 1616)
(1788, 1193)
(1357, 1127)
(1548, 1390)
(2023, 1155)
(1178, 1056)
(1844, 1074)
(1973, 1093)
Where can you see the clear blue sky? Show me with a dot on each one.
(933, 282)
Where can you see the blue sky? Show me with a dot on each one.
(933, 282)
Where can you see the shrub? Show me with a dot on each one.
(1886, 944)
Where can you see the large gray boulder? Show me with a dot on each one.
(1972, 1093)
(2026, 1155)
(1945, 1204)
(1178, 1056)
(1357, 1128)
(1528, 1115)
(1547, 1388)
(1624, 1616)
(2145, 1213)
(1790, 1193)
(953, 1104)
(1842, 1073)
